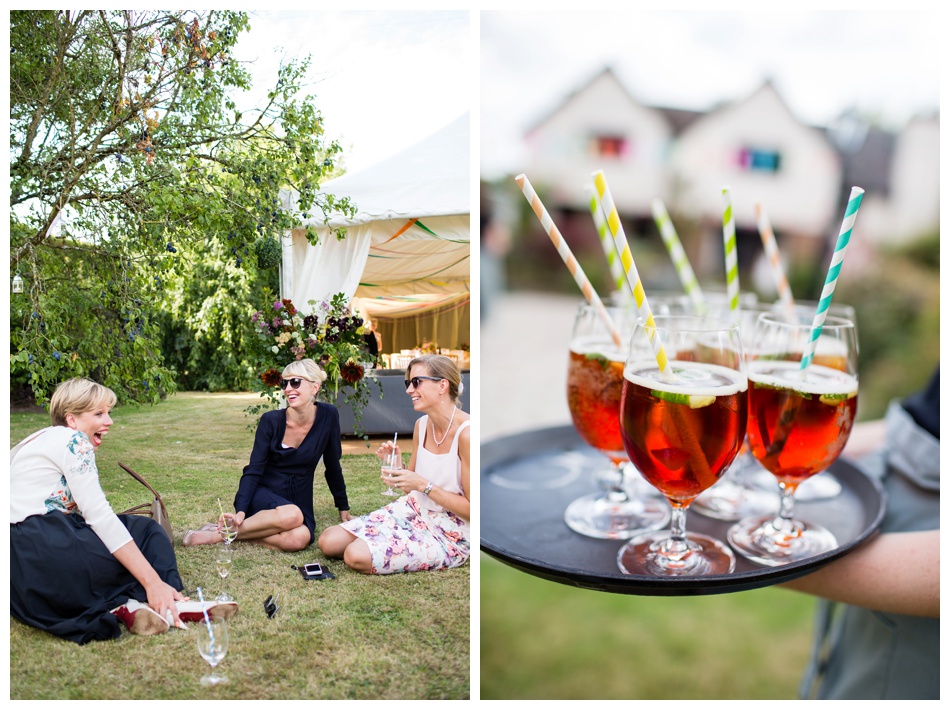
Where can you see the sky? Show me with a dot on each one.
(883, 63)
(382, 80)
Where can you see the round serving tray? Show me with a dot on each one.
(529, 479)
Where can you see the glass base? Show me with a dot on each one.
(728, 500)
(649, 555)
(599, 515)
(213, 679)
(391, 492)
(224, 597)
(773, 542)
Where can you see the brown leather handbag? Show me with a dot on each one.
(155, 509)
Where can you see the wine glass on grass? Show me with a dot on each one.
(223, 562)
(800, 416)
(594, 385)
(213, 647)
(683, 418)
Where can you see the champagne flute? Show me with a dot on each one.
(394, 464)
(799, 421)
(222, 563)
(594, 384)
(213, 646)
(682, 426)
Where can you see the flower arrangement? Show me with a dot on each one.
(428, 346)
(329, 334)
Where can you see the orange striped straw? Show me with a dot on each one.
(630, 269)
(774, 257)
(580, 278)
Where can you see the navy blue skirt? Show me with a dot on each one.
(265, 499)
(63, 579)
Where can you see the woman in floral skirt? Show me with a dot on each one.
(428, 528)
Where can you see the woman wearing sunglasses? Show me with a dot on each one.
(274, 502)
(428, 528)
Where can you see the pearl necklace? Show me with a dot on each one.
(438, 441)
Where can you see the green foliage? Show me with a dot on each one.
(126, 124)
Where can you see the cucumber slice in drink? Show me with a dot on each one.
(695, 401)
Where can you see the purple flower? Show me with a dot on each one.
(278, 305)
(277, 323)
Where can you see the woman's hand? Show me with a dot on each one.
(345, 516)
(162, 598)
(404, 479)
(385, 451)
(231, 520)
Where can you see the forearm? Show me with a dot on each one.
(896, 573)
(131, 557)
(453, 502)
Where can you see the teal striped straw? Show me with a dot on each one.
(732, 260)
(844, 237)
(678, 255)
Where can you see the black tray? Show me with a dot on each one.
(529, 479)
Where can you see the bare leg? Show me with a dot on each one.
(281, 529)
(337, 542)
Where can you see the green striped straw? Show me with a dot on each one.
(678, 255)
(630, 269)
(607, 242)
(732, 260)
(580, 278)
(844, 237)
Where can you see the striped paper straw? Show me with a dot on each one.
(607, 242)
(223, 519)
(844, 236)
(774, 257)
(678, 255)
(207, 618)
(732, 260)
(630, 269)
(580, 278)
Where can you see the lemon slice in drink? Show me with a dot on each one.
(834, 399)
(695, 401)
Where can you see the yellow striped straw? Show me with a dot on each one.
(580, 278)
(630, 269)
(775, 258)
(678, 255)
(607, 242)
(732, 260)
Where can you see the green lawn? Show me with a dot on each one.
(355, 637)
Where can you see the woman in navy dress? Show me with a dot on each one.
(274, 502)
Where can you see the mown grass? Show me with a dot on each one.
(541, 640)
(355, 637)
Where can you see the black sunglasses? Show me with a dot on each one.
(270, 606)
(293, 382)
(415, 380)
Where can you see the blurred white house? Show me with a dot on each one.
(801, 174)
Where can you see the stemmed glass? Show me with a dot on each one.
(213, 646)
(393, 464)
(682, 427)
(594, 384)
(223, 563)
(799, 421)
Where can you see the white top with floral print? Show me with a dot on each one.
(55, 469)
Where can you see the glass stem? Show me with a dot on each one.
(784, 521)
(677, 544)
(615, 488)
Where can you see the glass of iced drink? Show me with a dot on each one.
(800, 418)
(682, 426)
(594, 385)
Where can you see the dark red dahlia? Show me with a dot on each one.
(351, 372)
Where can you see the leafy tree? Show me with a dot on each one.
(125, 122)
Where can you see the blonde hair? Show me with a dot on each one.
(307, 369)
(77, 396)
(442, 367)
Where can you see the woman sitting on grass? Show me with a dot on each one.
(428, 528)
(76, 568)
(274, 501)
